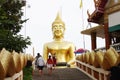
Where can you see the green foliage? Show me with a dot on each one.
(2, 1)
(11, 24)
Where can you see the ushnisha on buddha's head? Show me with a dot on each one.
(58, 27)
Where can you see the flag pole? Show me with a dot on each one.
(81, 6)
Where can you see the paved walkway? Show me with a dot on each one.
(61, 74)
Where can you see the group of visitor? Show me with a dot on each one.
(39, 64)
(50, 63)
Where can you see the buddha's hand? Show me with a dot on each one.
(68, 65)
(72, 62)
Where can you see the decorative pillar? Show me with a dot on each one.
(93, 40)
(107, 36)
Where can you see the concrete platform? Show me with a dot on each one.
(61, 73)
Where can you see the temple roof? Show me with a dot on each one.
(98, 29)
(98, 13)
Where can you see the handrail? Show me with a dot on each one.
(100, 70)
(93, 72)
(17, 76)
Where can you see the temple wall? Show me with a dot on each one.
(114, 19)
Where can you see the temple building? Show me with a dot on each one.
(107, 16)
(98, 63)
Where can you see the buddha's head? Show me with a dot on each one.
(58, 27)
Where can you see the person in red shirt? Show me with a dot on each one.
(54, 61)
(50, 64)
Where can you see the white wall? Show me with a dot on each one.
(114, 19)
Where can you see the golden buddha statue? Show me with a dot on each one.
(63, 50)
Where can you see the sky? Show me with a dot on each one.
(42, 13)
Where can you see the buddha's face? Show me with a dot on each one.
(58, 30)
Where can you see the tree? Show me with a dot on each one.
(11, 24)
(2, 1)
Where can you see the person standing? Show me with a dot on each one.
(41, 64)
(54, 61)
(49, 64)
(36, 58)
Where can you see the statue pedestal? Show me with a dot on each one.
(61, 64)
